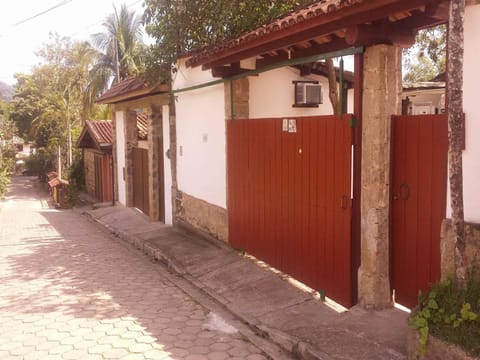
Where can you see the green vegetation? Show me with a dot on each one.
(427, 58)
(49, 105)
(450, 312)
(7, 148)
(183, 25)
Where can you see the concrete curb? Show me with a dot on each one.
(295, 347)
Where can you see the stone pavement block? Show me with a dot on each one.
(294, 319)
(71, 291)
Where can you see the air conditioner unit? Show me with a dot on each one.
(308, 94)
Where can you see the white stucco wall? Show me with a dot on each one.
(471, 80)
(272, 95)
(201, 151)
(120, 144)
(167, 166)
(200, 119)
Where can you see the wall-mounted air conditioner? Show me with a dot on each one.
(307, 94)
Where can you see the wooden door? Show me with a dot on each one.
(289, 197)
(98, 177)
(418, 203)
(107, 181)
(141, 198)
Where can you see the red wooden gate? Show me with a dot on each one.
(289, 198)
(141, 198)
(419, 184)
(103, 177)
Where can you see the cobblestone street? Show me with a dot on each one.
(68, 290)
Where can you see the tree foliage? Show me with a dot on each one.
(179, 26)
(120, 50)
(49, 103)
(427, 58)
(7, 148)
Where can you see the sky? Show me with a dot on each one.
(24, 29)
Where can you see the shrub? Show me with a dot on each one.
(450, 312)
(4, 181)
(40, 163)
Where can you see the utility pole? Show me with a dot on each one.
(117, 61)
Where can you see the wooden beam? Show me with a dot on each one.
(228, 71)
(438, 10)
(305, 69)
(323, 25)
(334, 45)
(392, 34)
(269, 60)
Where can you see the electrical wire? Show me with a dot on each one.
(62, 3)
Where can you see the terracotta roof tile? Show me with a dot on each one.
(142, 126)
(315, 9)
(124, 87)
(101, 130)
(130, 88)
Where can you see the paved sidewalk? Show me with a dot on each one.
(264, 299)
(70, 290)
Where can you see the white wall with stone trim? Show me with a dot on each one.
(200, 122)
(272, 95)
(201, 138)
(471, 81)
(120, 148)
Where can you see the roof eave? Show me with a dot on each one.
(133, 95)
(324, 24)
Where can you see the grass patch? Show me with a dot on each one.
(451, 314)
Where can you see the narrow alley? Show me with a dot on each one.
(68, 290)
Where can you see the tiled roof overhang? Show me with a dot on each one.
(130, 89)
(96, 134)
(327, 25)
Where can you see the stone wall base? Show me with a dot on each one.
(89, 168)
(436, 349)
(447, 247)
(201, 215)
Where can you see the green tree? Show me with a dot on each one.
(179, 26)
(120, 50)
(427, 58)
(7, 148)
(49, 105)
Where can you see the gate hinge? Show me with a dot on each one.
(353, 122)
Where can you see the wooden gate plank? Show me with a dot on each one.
(284, 197)
(420, 161)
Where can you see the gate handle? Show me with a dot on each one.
(404, 191)
(343, 202)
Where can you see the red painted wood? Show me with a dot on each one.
(141, 198)
(420, 145)
(107, 185)
(284, 198)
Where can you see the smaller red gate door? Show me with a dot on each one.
(418, 203)
(141, 198)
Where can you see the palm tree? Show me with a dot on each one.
(120, 50)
